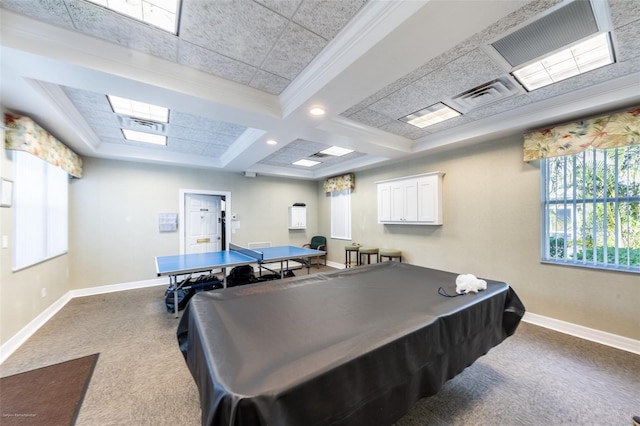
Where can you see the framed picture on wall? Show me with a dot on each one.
(6, 192)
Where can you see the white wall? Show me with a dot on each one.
(492, 229)
(115, 207)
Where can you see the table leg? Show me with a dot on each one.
(173, 281)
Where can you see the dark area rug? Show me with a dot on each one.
(49, 396)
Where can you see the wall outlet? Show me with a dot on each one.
(5, 241)
(44, 292)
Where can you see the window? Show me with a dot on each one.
(591, 207)
(341, 214)
(40, 210)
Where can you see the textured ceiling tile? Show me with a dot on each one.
(269, 83)
(240, 29)
(449, 80)
(50, 11)
(327, 17)
(624, 12)
(87, 101)
(371, 118)
(213, 63)
(178, 118)
(188, 133)
(627, 41)
(499, 107)
(404, 101)
(221, 140)
(185, 146)
(284, 7)
(213, 151)
(293, 52)
(103, 118)
(230, 129)
(102, 23)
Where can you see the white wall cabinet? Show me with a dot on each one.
(411, 200)
(297, 217)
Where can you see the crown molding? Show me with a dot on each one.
(375, 21)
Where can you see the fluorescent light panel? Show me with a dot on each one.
(139, 109)
(133, 135)
(430, 115)
(337, 151)
(305, 163)
(592, 53)
(159, 13)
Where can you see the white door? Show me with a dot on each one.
(203, 227)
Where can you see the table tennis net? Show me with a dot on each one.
(258, 255)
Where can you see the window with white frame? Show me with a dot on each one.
(40, 210)
(341, 214)
(591, 209)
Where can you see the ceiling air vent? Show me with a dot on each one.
(563, 26)
(319, 155)
(142, 125)
(487, 93)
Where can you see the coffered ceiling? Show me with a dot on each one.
(239, 73)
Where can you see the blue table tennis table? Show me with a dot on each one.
(188, 264)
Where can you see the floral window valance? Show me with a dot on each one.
(24, 134)
(339, 183)
(606, 131)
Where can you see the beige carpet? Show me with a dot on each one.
(536, 377)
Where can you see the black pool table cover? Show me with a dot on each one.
(354, 347)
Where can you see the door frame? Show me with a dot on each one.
(226, 195)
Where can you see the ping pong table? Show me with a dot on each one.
(188, 264)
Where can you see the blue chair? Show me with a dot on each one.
(318, 242)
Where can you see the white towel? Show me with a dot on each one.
(468, 283)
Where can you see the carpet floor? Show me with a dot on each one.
(535, 377)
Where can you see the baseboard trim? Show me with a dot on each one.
(12, 345)
(586, 333)
(335, 264)
(92, 291)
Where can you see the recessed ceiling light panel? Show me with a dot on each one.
(139, 109)
(430, 115)
(337, 151)
(592, 53)
(305, 163)
(159, 13)
(134, 135)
